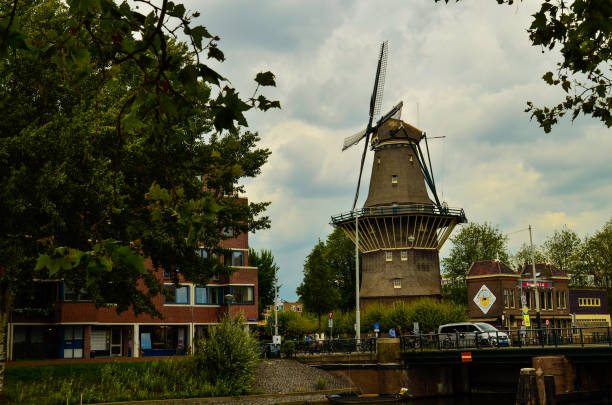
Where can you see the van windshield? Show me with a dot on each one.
(486, 327)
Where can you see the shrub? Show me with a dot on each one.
(288, 348)
(321, 383)
(228, 356)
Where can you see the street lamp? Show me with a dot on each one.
(228, 300)
(357, 313)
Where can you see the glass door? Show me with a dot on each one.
(116, 341)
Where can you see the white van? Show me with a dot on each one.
(467, 334)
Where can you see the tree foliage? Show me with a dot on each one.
(582, 32)
(318, 290)
(340, 256)
(560, 248)
(266, 273)
(472, 243)
(118, 142)
(523, 256)
(427, 312)
(593, 260)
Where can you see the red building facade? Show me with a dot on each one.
(63, 324)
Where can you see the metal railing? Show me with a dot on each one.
(366, 345)
(544, 337)
(399, 209)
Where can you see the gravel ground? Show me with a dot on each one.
(282, 376)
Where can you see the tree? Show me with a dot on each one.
(474, 242)
(582, 32)
(118, 143)
(523, 256)
(266, 273)
(340, 256)
(561, 247)
(318, 291)
(593, 260)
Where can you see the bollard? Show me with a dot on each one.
(527, 390)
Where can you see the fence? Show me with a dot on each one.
(367, 345)
(544, 337)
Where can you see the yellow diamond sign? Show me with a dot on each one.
(484, 299)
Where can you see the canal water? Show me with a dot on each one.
(465, 400)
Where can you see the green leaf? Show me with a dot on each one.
(177, 11)
(265, 79)
(198, 33)
(210, 76)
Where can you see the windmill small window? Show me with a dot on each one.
(394, 179)
(389, 255)
(397, 283)
(404, 255)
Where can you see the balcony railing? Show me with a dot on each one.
(429, 209)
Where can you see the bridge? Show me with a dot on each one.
(580, 360)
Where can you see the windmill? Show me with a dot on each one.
(399, 230)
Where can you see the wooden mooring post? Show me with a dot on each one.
(527, 390)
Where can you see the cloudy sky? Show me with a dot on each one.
(470, 69)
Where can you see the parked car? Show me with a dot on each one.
(467, 334)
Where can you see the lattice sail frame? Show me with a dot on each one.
(390, 227)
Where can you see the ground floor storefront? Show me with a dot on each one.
(77, 341)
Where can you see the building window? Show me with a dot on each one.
(512, 300)
(209, 295)
(237, 258)
(397, 283)
(176, 294)
(243, 295)
(394, 179)
(71, 295)
(404, 255)
(589, 302)
(389, 255)
(549, 300)
(203, 253)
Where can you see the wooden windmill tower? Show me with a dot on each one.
(401, 230)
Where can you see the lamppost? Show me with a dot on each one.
(357, 313)
(228, 300)
(535, 282)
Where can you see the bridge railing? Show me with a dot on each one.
(544, 337)
(366, 345)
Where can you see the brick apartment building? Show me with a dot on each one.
(61, 323)
(495, 294)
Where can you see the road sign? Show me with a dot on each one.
(526, 320)
(331, 315)
(466, 357)
(484, 299)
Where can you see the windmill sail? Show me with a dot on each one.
(353, 139)
(375, 102)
